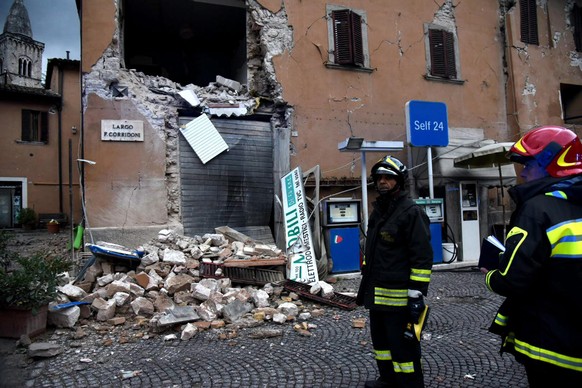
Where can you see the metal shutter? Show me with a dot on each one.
(234, 189)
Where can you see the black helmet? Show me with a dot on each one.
(389, 165)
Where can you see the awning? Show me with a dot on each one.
(445, 172)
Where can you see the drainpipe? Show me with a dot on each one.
(60, 138)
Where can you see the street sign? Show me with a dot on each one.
(427, 124)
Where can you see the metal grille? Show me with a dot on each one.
(343, 301)
(253, 276)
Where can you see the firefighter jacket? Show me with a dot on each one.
(398, 254)
(540, 274)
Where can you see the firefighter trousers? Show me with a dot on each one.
(398, 358)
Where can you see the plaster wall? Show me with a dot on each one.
(538, 70)
(333, 104)
(37, 162)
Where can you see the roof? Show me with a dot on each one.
(71, 64)
(24, 91)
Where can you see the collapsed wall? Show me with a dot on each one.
(157, 98)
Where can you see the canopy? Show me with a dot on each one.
(491, 155)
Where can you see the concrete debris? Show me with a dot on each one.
(44, 350)
(167, 293)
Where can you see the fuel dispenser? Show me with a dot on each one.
(434, 209)
(341, 221)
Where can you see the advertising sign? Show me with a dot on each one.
(301, 262)
(122, 130)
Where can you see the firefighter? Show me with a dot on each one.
(540, 272)
(395, 276)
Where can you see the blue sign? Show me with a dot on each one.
(427, 124)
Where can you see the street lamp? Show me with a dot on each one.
(353, 144)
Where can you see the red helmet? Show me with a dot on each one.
(558, 150)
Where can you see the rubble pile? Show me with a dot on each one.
(166, 292)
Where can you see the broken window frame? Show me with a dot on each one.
(442, 54)
(348, 46)
(576, 20)
(34, 126)
(529, 22)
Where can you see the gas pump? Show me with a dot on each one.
(341, 221)
(434, 209)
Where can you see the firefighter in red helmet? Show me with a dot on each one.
(540, 272)
(395, 276)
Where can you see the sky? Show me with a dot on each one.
(54, 23)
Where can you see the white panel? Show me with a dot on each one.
(204, 138)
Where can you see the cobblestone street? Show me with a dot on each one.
(458, 351)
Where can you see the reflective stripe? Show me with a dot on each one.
(548, 356)
(513, 232)
(383, 355)
(420, 275)
(566, 239)
(403, 367)
(557, 194)
(501, 320)
(390, 297)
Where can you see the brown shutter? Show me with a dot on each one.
(577, 22)
(356, 22)
(442, 54)
(44, 127)
(529, 21)
(25, 135)
(342, 37)
(347, 36)
(450, 60)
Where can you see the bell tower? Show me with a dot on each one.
(20, 54)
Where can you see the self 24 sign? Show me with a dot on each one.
(427, 124)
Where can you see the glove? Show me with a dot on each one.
(415, 307)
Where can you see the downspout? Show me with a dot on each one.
(60, 139)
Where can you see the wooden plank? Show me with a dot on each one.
(254, 262)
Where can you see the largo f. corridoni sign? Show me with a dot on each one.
(301, 262)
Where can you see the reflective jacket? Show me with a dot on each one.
(540, 273)
(398, 254)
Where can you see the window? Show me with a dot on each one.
(529, 21)
(442, 53)
(571, 99)
(24, 67)
(34, 126)
(577, 23)
(347, 38)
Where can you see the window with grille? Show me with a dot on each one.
(347, 37)
(34, 126)
(577, 22)
(443, 61)
(529, 22)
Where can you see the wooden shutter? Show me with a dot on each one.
(442, 54)
(577, 22)
(25, 135)
(44, 127)
(347, 36)
(529, 21)
(356, 23)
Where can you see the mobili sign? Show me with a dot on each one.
(122, 130)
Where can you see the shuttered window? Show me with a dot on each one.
(577, 22)
(34, 126)
(442, 54)
(529, 22)
(347, 34)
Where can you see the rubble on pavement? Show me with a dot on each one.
(167, 294)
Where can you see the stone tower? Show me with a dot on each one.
(20, 55)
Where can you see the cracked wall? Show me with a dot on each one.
(537, 73)
(136, 185)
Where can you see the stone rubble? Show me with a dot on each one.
(167, 294)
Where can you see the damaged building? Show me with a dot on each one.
(193, 110)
